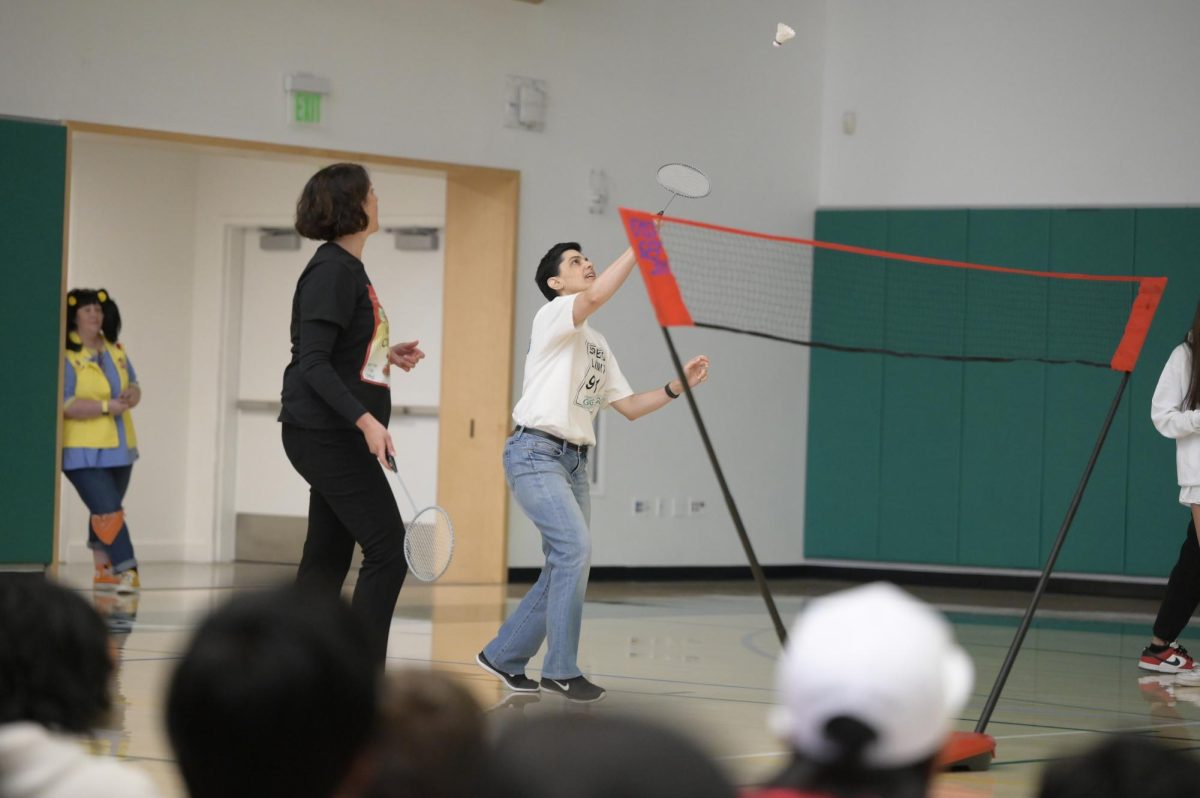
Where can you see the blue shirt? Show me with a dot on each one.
(76, 457)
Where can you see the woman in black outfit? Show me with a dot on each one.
(337, 401)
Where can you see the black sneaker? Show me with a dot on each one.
(577, 689)
(517, 682)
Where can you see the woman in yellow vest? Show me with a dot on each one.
(99, 443)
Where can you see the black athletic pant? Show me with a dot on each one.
(1183, 590)
(349, 502)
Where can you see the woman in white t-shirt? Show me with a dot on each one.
(571, 373)
(1174, 410)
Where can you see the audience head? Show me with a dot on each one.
(586, 756)
(275, 696)
(55, 659)
(866, 722)
(1119, 766)
(430, 742)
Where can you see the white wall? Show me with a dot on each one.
(632, 84)
(131, 231)
(1021, 102)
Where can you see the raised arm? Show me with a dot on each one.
(603, 287)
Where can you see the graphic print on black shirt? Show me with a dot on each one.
(337, 327)
(588, 395)
(375, 364)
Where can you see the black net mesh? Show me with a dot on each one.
(812, 294)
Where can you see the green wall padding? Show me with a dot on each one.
(974, 464)
(33, 159)
(846, 485)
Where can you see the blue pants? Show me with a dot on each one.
(550, 482)
(103, 491)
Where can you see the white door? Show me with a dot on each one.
(268, 492)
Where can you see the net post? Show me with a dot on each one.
(759, 577)
(1015, 648)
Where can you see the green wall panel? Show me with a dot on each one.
(1077, 399)
(1168, 243)
(922, 399)
(1003, 405)
(842, 497)
(974, 464)
(33, 164)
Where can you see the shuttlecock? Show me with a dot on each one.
(782, 34)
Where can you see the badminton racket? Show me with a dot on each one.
(428, 537)
(682, 180)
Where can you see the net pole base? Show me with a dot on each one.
(967, 751)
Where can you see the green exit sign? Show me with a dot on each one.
(306, 107)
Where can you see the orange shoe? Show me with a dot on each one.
(104, 579)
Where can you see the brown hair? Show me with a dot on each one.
(331, 204)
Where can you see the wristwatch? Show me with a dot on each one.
(104, 407)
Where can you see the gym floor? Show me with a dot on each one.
(699, 655)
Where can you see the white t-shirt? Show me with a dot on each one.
(36, 763)
(570, 374)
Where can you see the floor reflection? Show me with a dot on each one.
(700, 656)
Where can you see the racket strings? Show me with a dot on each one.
(429, 543)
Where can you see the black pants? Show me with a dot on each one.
(349, 502)
(1183, 590)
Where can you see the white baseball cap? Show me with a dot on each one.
(908, 690)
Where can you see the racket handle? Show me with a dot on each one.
(392, 463)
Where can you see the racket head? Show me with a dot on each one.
(429, 543)
(684, 180)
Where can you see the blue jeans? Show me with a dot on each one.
(103, 491)
(550, 482)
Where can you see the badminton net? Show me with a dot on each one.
(855, 299)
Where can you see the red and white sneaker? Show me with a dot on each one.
(1172, 659)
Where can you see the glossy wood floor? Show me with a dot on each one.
(700, 655)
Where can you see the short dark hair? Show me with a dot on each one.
(331, 204)
(609, 755)
(431, 740)
(82, 297)
(1120, 765)
(275, 696)
(55, 663)
(550, 267)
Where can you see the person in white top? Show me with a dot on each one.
(570, 375)
(56, 667)
(1174, 411)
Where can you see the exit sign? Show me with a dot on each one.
(306, 108)
(304, 93)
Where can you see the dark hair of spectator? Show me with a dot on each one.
(331, 204)
(81, 297)
(599, 757)
(275, 696)
(846, 775)
(431, 740)
(55, 663)
(550, 266)
(1119, 766)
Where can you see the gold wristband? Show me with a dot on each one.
(104, 407)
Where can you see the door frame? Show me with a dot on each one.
(479, 306)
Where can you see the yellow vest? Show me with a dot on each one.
(91, 383)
